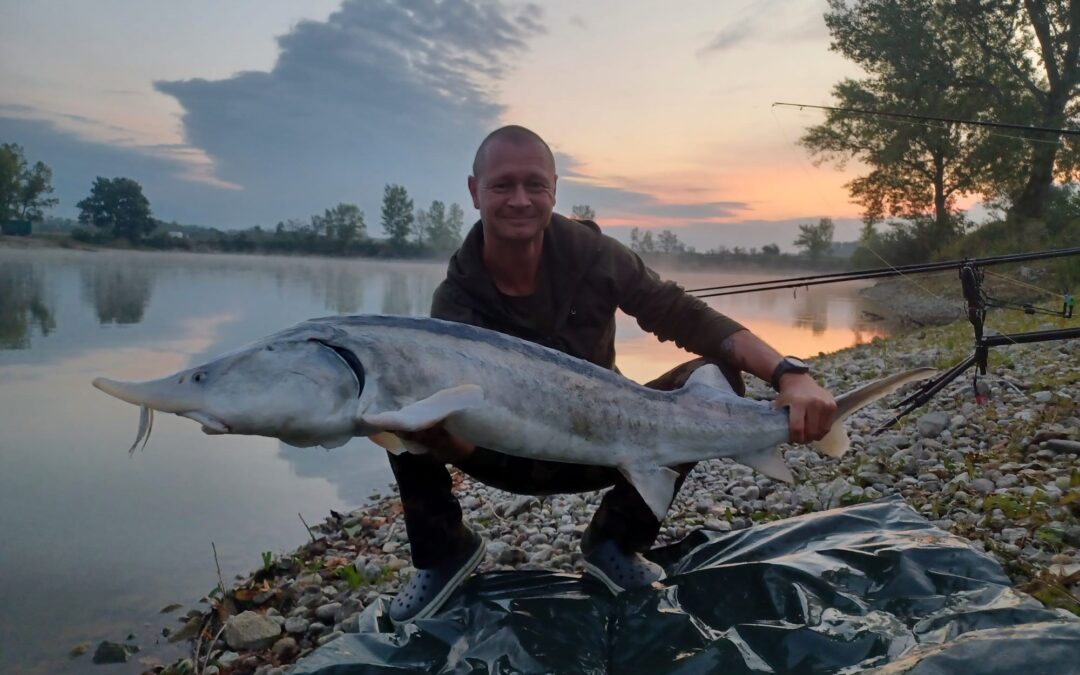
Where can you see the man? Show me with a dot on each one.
(528, 272)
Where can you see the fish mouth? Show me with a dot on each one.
(210, 424)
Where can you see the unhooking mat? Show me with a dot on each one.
(868, 588)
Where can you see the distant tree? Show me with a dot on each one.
(344, 223)
(668, 242)
(635, 239)
(770, 249)
(583, 212)
(23, 188)
(117, 205)
(816, 239)
(442, 230)
(455, 222)
(646, 244)
(397, 215)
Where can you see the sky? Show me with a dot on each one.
(249, 112)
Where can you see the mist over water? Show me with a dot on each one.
(95, 543)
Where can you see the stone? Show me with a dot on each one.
(1043, 397)
(932, 424)
(250, 630)
(982, 486)
(326, 612)
(285, 648)
(1061, 445)
(113, 652)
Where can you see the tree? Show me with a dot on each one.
(23, 188)
(912, 66)
(397, 215)
(1031, 49)
(344, 223)
(117, 204)
(770, 249)
(442, 230)
(668, 242)
(816, 239)
(583, 212)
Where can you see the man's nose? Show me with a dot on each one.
(519, 196)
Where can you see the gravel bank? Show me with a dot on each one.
(1004, 475)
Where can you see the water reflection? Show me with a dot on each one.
(118, 295)
(23, 305)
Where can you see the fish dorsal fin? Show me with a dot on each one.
(707, 381)
(428, 412)
(655, 484)
(769, 463)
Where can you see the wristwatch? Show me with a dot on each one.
(788, 364)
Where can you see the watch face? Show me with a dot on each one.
(798, 363)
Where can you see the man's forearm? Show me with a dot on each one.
(751, 354)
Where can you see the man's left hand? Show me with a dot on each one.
(811, 408)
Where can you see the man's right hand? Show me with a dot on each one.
(442, 444)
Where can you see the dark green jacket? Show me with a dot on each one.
(591, 276)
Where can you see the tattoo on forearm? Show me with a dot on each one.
(727, 351)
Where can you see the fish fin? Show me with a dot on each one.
(708, 382)
(835, 443)
(769, 463)
(388, 441)
(655, 484)
(336, 442)
(428, 412)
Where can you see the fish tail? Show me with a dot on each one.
(836, 442)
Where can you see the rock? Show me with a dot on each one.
(285, 648)
(512, 555)
(1063, 446)
(250, 630)
(982, 486)
(1043, 397)
(520, 505)
(80, 649)
(932, 424)
(113, 652)
(1013, 534)
(326, 612)
(228, 659)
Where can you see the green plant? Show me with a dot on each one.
(351, 576)
(267, 560)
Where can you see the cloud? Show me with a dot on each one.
(775, 18)
(380, 92)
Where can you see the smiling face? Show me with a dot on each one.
(515, 190)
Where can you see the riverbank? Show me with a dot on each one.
(1001, 475)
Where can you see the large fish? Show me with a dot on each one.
(327, 380)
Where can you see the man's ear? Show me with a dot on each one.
(474, 190)
(554, 184)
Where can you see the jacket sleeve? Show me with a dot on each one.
(664, 309)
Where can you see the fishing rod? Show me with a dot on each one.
(976, 299)
(875, 273)
(950, 120)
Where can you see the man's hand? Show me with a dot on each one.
(442, 444)
(811, 407)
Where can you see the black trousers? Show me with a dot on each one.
(433, 518)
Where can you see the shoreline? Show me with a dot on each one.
(1000, 475)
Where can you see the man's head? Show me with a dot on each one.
(513, 184)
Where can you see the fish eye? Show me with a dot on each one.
(198, 377)
(269, 348)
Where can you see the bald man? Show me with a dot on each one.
(527, 271)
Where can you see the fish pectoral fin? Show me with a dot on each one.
(709, 383)
(655, 484)
(769, 463)
(428, 412)
(388, 441)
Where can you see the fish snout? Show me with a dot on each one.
(168, 394)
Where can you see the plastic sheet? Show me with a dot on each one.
(868, 588)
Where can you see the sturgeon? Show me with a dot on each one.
(325, 381)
